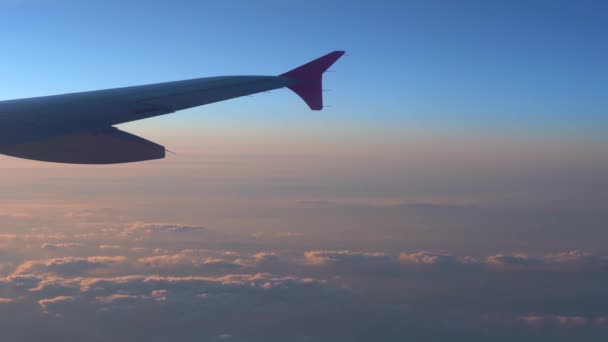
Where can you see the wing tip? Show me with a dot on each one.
(310, 79)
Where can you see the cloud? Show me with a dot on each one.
(56, 305)
(120, 301)
(163, 228)
(427, 258)
(36, 236)
(108, 247)
(195, 259)
(512, 260)
(278, 235)
(123, 292)
(166, 260)
(18, 216)
(198, 286)
(577, 258)
(45, 303)
(539, 321)
(55, 246)
(95, 215)
(266, 257)
(68, 266)
(565, 261)
(219, 263)
(343, 257)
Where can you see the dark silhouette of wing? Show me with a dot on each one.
(42, 128)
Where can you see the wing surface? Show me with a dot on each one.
(36, 128)
(61, 114)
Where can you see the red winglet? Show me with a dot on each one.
(311, 75)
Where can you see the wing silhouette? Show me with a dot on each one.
(78, 127)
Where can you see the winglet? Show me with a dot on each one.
(310, 76)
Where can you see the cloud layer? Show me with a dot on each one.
(114, 281)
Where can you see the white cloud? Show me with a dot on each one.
(166, 260)
(108, 247)
(343, 257)
(56, 304)
(66, 245)
(68, 265)
(512, 260)
(266, 257)
(151, 228)
(427, 258)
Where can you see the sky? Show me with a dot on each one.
(455, 188)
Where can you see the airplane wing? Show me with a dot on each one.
(78, 128)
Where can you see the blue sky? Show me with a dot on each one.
(473, 67)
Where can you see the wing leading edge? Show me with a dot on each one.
(44, 128)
